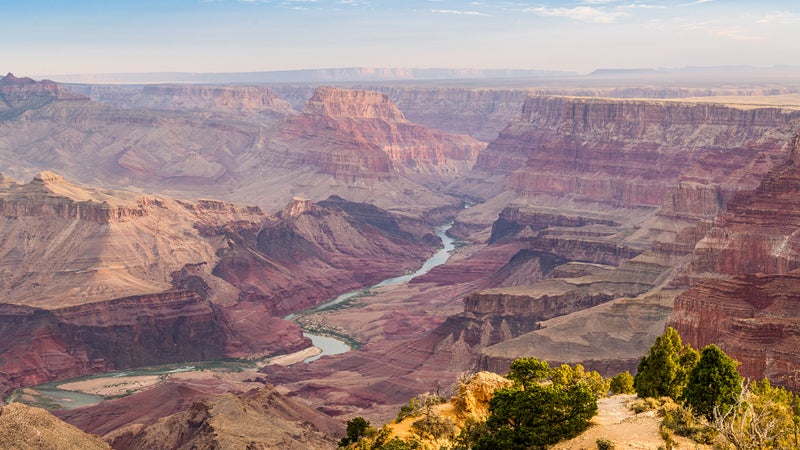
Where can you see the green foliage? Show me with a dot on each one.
(537, 416)
(529, 371)
(470, 433)
(713, 382)
(571, 375)
(605, 444)
(622, 383)
(357, 428)
(410, 409)
(418, 405)
(664, 371)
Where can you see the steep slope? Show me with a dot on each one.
(23, 427)
(239, 144)
(258, 419)
(575, 258)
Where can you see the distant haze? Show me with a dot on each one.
(44, 38)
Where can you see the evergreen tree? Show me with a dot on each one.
(713, 382)
(664, 371)
(537, 416)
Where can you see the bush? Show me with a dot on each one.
(537, 416)
(622, 383)
(641, 405)
(605, 444)
(682, 421)
(434, 427)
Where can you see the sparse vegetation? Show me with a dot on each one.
(536, 406)
(357, 428)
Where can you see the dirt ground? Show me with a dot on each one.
(615, 421)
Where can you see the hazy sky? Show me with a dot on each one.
(41, 37)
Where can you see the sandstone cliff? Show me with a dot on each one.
(239, 144)
(18, 95)
(745, 271)
(362, 135)
(632, 152)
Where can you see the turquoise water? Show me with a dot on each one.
(332, 346)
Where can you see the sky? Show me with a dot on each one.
(46, 37)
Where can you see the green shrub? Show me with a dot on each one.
(622, 383)
(605, 444)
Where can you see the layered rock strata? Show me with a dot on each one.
(745, 270)
(95, 280)
(754, 318)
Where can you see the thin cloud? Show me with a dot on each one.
(718, 30)
(643, 6)
(459, 13)
(695, 3)
(580, 13)
(782, 18)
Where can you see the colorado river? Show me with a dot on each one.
(332, 346)
(50, 395)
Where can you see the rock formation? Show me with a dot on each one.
(234, 143)
(95, 280)
(259, 419)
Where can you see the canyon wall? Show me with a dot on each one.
(632, 152)
(96, 280)
(744, 271)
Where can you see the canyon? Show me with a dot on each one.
(186, 220)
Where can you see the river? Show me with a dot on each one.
(50, 395)
(332, 346)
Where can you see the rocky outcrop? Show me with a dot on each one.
(317, 251)
(362, 135)
(158, 280)
(25, 427)
(18, 95)
(758, 232)
(513, 220)
(39, 345)
(192, 97)
(258, 419)
(746, 282)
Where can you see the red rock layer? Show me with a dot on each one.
(753, 318)
(633, 152)
(355, 134)
(758, 232)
